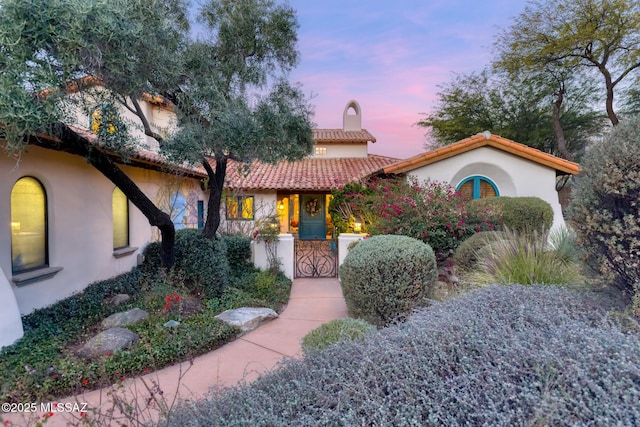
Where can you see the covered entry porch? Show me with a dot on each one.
(306, 217)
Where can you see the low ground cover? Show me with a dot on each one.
(45, 364)
(500, 355)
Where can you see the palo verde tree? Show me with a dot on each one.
(234, 102)
(601, 35)
(59, 59)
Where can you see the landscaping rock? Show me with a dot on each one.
(247, 318)
(119, 299)
(108, 341)
(125, 318)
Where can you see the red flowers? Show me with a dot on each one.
(85, 381)
(171, 298)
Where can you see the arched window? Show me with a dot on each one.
(477, 187)
(120, 211)
(28, 226)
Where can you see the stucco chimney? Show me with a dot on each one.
(352, 117)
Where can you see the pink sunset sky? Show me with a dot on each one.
(390, 56)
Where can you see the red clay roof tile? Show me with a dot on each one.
(311, 174)
(482, 140)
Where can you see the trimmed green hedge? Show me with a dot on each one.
(519, 214)
(385, 277)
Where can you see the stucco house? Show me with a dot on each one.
(65, 225)
(487, 165)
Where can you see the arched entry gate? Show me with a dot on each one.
(316, 258)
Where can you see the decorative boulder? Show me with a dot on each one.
(247, 318)
(124, 318)
(108, 341)
(119, 299)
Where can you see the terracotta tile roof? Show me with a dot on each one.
(311, 174)
(147, 157)
(342, 136)
(485, 139)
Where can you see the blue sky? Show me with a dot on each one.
(391, 56)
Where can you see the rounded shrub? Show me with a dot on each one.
(238, 251)
(519, 214)
(335, 331)
(200, 262)
(385, 277)
(466, 255)
(605, 205)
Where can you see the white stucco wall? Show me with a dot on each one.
(513, 176)
(80, 235)
(284, 251)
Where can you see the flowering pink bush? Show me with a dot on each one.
(431, 211)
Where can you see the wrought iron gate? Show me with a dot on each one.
(316, 258)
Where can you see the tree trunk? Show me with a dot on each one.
(557, 126)
(610, 85)
(216, 187)
(103, 163)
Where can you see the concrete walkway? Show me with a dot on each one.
(312, 303)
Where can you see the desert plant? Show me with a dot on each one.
(524, 258)
(521, 214)
(466, 255)
(385, 277)
(335, 331)
(497, 356)
(605, 207)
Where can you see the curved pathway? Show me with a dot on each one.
(312, 303)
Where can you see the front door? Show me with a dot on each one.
(313, 218)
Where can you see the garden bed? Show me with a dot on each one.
(45, 364)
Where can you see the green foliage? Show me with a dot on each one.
(524, 258)
(385, 277)
(350, 203)
(432, 212)
(604, 210)
(238, 252)
(567, 34)
(520, 214)
(43, 365)
(498, 356)
(48, 45)
(202, 263)
(466, 255)
(514, 108)
(335, 331)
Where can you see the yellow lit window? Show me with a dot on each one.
(120, 210)
(240, 207)
(28, 225)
